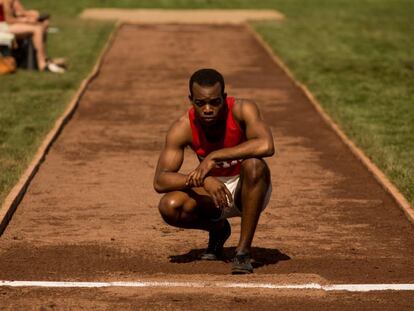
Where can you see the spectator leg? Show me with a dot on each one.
(36, 31)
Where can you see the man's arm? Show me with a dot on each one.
(171, 158)
(259, 142)
(167, 177)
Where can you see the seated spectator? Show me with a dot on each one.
(24, 26)
(29, 16)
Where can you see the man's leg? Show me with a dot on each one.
(191, 210)
(195, 210)
(250, 198)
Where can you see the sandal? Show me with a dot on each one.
(52, 67)
(60, 61)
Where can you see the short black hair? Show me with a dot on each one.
(206, 77)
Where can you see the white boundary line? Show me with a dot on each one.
(252, 285)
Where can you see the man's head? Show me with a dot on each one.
(207, 95)
(206, 77)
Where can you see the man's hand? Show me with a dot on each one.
(218, 191)
(196, 177)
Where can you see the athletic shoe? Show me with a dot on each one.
(242, 264)
(216, 242)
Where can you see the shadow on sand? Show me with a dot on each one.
(262, 256)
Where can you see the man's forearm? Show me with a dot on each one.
(170, 181)
(253, 148)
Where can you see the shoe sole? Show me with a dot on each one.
(242, 268)
(209, 257)
(241, 271)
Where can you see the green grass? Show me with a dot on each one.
(357, 59)
(356, 56)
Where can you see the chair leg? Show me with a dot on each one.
(31, 56)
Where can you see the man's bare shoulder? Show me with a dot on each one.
(179, 132)
(243, 106)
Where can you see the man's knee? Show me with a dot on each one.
(255, 170)
(174, 209)
(169, 208)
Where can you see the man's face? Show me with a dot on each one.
(208, 103)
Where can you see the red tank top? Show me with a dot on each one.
(233, 136)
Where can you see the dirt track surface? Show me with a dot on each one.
(179, 299)
(90, 213)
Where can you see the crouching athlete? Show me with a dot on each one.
(230, 140)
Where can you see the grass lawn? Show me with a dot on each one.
(356, 56)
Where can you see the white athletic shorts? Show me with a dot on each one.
(231, 183)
